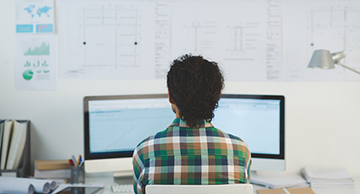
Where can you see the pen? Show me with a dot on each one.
(71, 162)
(73, 159)
(285, 190)
(78, 160)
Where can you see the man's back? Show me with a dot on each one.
(191, 151)
(194, 156)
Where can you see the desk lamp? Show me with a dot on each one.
(323, 59)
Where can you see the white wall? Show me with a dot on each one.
(322, 118)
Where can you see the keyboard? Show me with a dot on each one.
(128, 188)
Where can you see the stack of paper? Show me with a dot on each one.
(279, 180)
(328, 178)
(52, 169)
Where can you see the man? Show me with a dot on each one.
(191, 150)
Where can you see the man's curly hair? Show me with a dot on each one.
(195, 86)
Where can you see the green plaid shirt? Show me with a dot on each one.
(182, 155)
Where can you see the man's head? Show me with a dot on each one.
(195, 86)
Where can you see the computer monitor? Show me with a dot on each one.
(259, 120)
(114, 125)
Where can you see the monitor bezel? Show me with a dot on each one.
(86, 100)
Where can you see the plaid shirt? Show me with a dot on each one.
(182, 155)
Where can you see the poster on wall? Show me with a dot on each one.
(120, 39)
(35, 62)
(34, 16)
(262, 40)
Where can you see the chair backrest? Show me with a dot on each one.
(200, 189)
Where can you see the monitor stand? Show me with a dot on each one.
(253, 172)
(123, 177)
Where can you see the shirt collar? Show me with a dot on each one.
(181, 123)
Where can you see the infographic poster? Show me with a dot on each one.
(34, 16)
(35, 65)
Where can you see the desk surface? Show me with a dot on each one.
(107, 180)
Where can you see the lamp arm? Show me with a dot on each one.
(348, 67)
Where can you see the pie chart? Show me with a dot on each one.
(28, 74)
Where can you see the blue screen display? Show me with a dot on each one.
(256, 121)
(118, 126)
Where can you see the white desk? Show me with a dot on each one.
(107, 180)
(355, 190)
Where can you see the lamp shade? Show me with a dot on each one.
(322, 59)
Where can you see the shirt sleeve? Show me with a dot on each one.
(138, 167)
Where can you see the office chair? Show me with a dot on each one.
(199, 189)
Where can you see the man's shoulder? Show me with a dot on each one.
(227, 135)
(152, 138)
(233, 138)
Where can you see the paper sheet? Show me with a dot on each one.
(14, 185)
(35, 62)
(34, 16)
(139, 39)
(279, 180)
(39, 186)
(264, 40)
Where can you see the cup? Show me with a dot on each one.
(77, 175)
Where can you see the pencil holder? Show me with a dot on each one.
(77, 175)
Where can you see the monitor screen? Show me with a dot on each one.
(117, 124)
(114, 125)
(257, 119)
